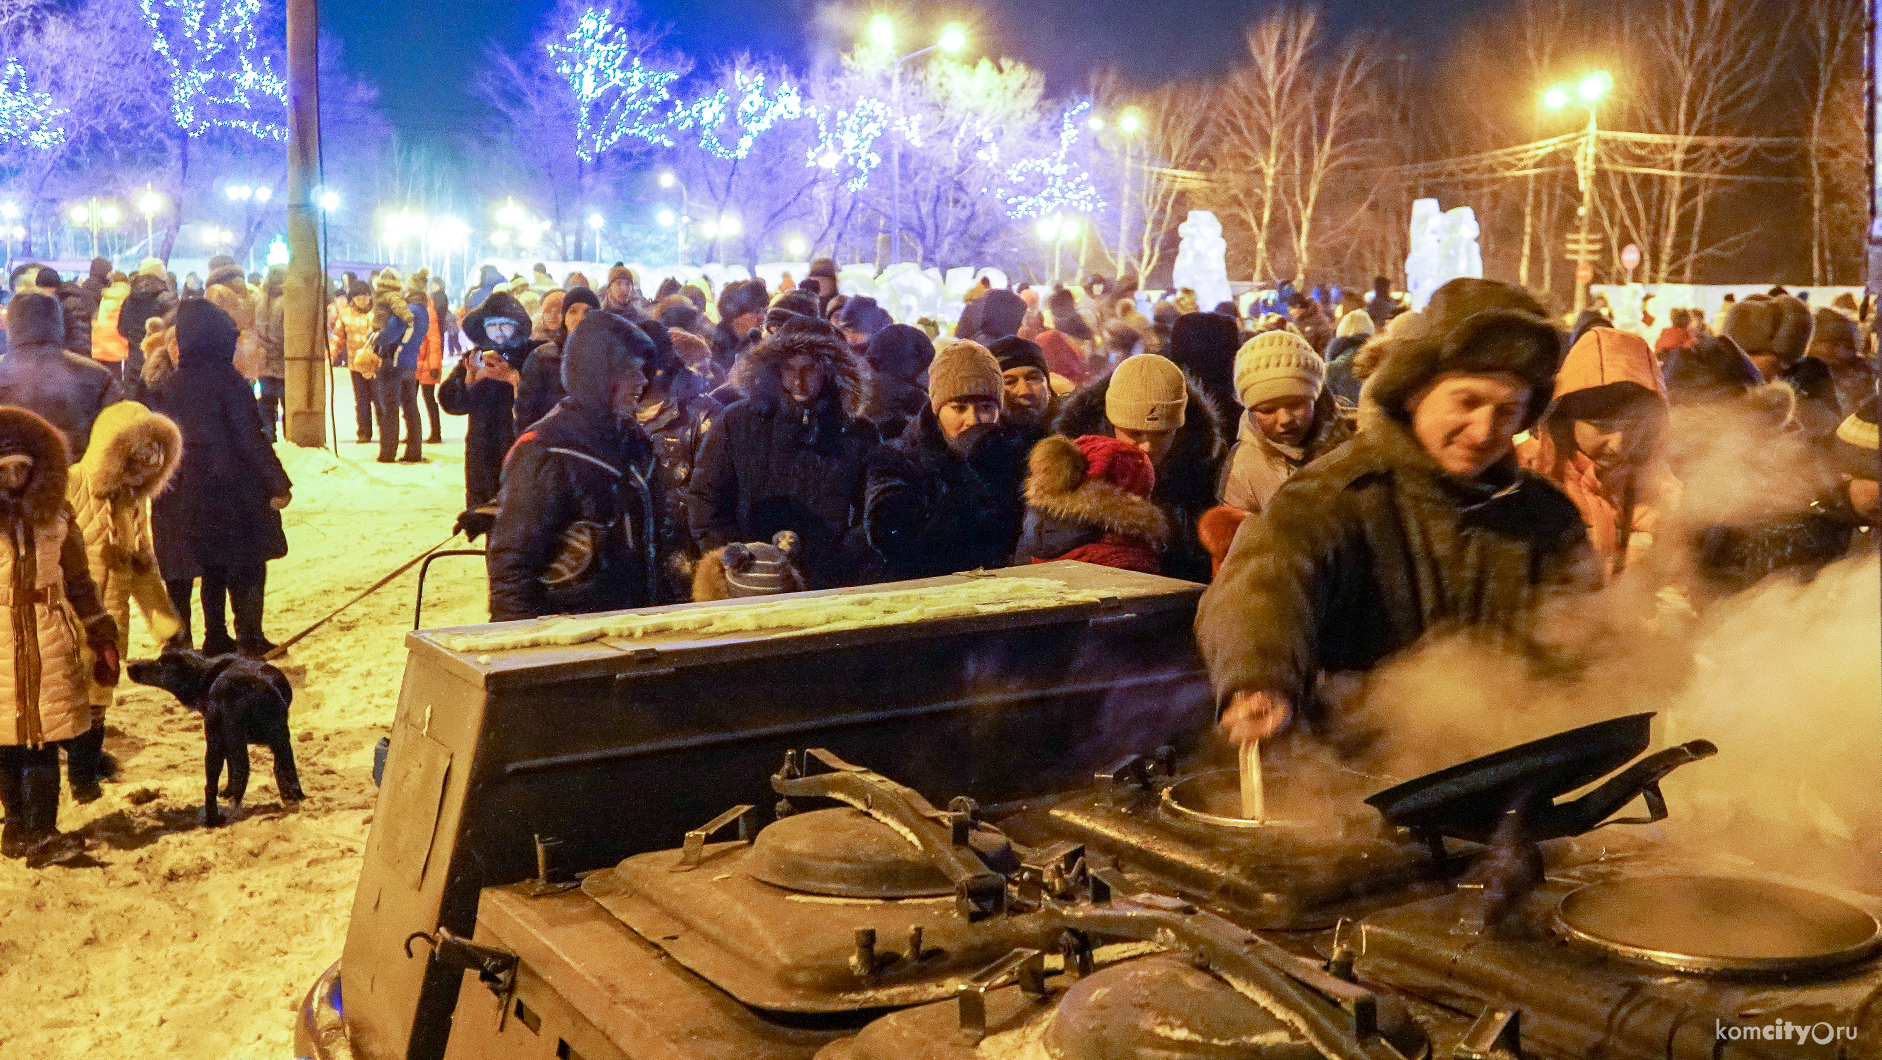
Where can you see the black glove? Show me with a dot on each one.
(101, 635)
(474, 523)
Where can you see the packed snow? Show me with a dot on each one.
(191, 942)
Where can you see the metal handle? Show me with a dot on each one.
(693, 851)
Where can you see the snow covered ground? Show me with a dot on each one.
(190, 942)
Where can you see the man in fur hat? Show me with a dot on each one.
(1423, 523)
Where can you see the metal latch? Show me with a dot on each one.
(1026, 965)
(495, 968)
(693, 851)
(1497, 1035)
(549, 878)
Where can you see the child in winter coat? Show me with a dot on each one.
(388, 301)
(133, 453)
(1088, 498)
(53, 615)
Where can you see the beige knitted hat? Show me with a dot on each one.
(1278, 364)
(963, 370)
(1355, 322)
(1147, 393)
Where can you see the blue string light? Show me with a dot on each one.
(1063, 184)
(28, 116)
(220, 78)
(616, 95)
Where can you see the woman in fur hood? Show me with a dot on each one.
(790, 456)
(1088, 498)
(133, 453)
(54, 615)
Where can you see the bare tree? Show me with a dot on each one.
(1335, 133)
(1831, 81)
(1264, 103)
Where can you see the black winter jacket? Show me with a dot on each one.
(769, 465)
(490, 403)
(1186, 482)
(541, 386)
(578, 464)
(216, 511)
(929, 510)
(678, 430)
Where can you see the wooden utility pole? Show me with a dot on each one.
(306, 287)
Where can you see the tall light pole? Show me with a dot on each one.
(595, 221)
(1129, 123)
(668, 180)
(882, 35)
(1589, 93)
(148, 204)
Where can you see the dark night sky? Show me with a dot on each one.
(422, 54)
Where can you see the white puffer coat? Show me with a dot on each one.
(114, 520)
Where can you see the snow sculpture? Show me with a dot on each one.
(1202, 259)
(1443, 247)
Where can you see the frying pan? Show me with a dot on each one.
(1468, 800)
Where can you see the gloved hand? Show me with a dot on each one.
(473, 523)
(101, 635)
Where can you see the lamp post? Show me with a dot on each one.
(1129, 123)
(595, 221)
(148, 204)
(882, 35)
(668, 180)
(1589, 93)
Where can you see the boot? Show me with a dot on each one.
(218, 642)
(81, 763)
(14, 834)
(434, 438)
(247, 600)
(37, 805)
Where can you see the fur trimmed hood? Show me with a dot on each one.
(23, 431)
(758, 372)
(1189, 473)
(1059, 487)
(121, 430)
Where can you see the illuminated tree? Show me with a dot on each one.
(592, 93)
(29, 119)
(219, 74)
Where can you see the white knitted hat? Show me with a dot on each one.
(1278, 364)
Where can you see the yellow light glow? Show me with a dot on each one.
(1595, 85)
(109, 215)
(510, 215)
(729, 224)
(710, 229)
(80, 215)
(1094, 123)
(263, 194)
(882, 31)
(1047, 228)
(500, 239)
(953, 38)
(595, 221)
(796, 247)
(666, 218)
(1130, 121)
(1068, 228)
(1555, 99)
(149, 203)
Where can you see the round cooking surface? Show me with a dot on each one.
(1719, 924)
(1215, 798)
(845, 853)
(1166, 1008)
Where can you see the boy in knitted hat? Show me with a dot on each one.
(1423, 524)
(1148, 402)
(1290, 419)
(1088, 499)
(944, 497)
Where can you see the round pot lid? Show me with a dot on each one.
(845, 853)
(1166, 1008)
(1215, 798)
(1719, 924)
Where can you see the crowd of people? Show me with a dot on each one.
(1346, 475)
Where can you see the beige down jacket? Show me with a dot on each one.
(47, 593)
(114, 519)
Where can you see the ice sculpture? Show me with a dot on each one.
(1443, 247)
(1202, 259)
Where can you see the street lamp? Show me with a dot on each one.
(239, 192)
(882, 34)
(796, 247)
(1589, 93)
(149, 204)
(329, 201)
(1129, 122)
(669, 180)
(1056, 230)
(595, 221)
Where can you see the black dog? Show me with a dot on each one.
(242, 701)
